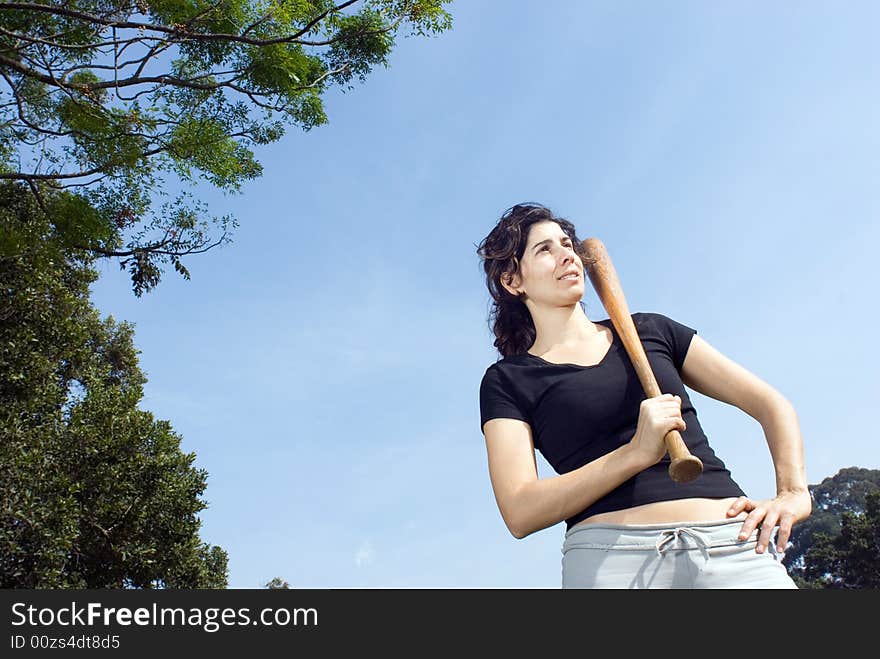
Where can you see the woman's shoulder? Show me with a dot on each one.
(654, 320)
(505, 363)
(513, 371)
(638, 317)
(648, 316)
(643, 320)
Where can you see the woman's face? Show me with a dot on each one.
(550, 271)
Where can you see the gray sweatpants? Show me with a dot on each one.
(679, 555)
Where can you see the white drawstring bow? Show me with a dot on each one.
(670, 536)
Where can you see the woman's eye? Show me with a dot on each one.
(547, 247)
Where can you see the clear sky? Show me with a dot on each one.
(325, 367)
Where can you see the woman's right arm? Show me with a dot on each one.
(528, 504)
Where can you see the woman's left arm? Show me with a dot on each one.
(713, 374)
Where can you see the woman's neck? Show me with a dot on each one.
(560, 327)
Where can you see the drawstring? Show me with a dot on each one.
(669, 536)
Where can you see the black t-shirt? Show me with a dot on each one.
(579, 413)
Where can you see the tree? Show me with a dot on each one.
(838, 500)
(846, 491)
(277, 583)
(107, 98)
(94, 492)
(852, 558)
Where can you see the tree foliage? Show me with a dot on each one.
(825, 548)
(110, 98)
(277, 583)
(851, 559)
(94, 492)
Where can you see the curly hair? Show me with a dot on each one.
(501, 252)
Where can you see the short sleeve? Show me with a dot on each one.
(496, 399)
(677, 335)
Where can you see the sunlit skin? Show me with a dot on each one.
(565, 334)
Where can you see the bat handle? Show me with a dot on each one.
(684, 466)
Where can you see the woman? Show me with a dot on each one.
(566, 387)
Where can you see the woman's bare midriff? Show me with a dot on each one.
(661, 512)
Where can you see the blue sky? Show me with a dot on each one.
(325, 367)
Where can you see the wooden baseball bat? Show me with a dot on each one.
(684, 466)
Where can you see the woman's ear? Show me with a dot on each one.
(510, 281)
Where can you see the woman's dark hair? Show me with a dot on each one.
(501, 252)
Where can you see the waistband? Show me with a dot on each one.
(722, 523)
(658, 537)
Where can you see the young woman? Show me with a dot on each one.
(565, 386)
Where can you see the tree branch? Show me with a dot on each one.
(153, 249)
(67, 46)
(185, 34)
(21, 113)
(21, 176)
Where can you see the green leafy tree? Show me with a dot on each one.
(110, 98)
(845, 493)
(850, 559)
(277, 583)
(94, 492)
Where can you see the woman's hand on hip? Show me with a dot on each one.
(785, 510)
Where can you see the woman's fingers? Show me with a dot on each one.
(786, 521)
(741, 504)
(768, 515)
(673, 409)
(752, 520)
(767, 526)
